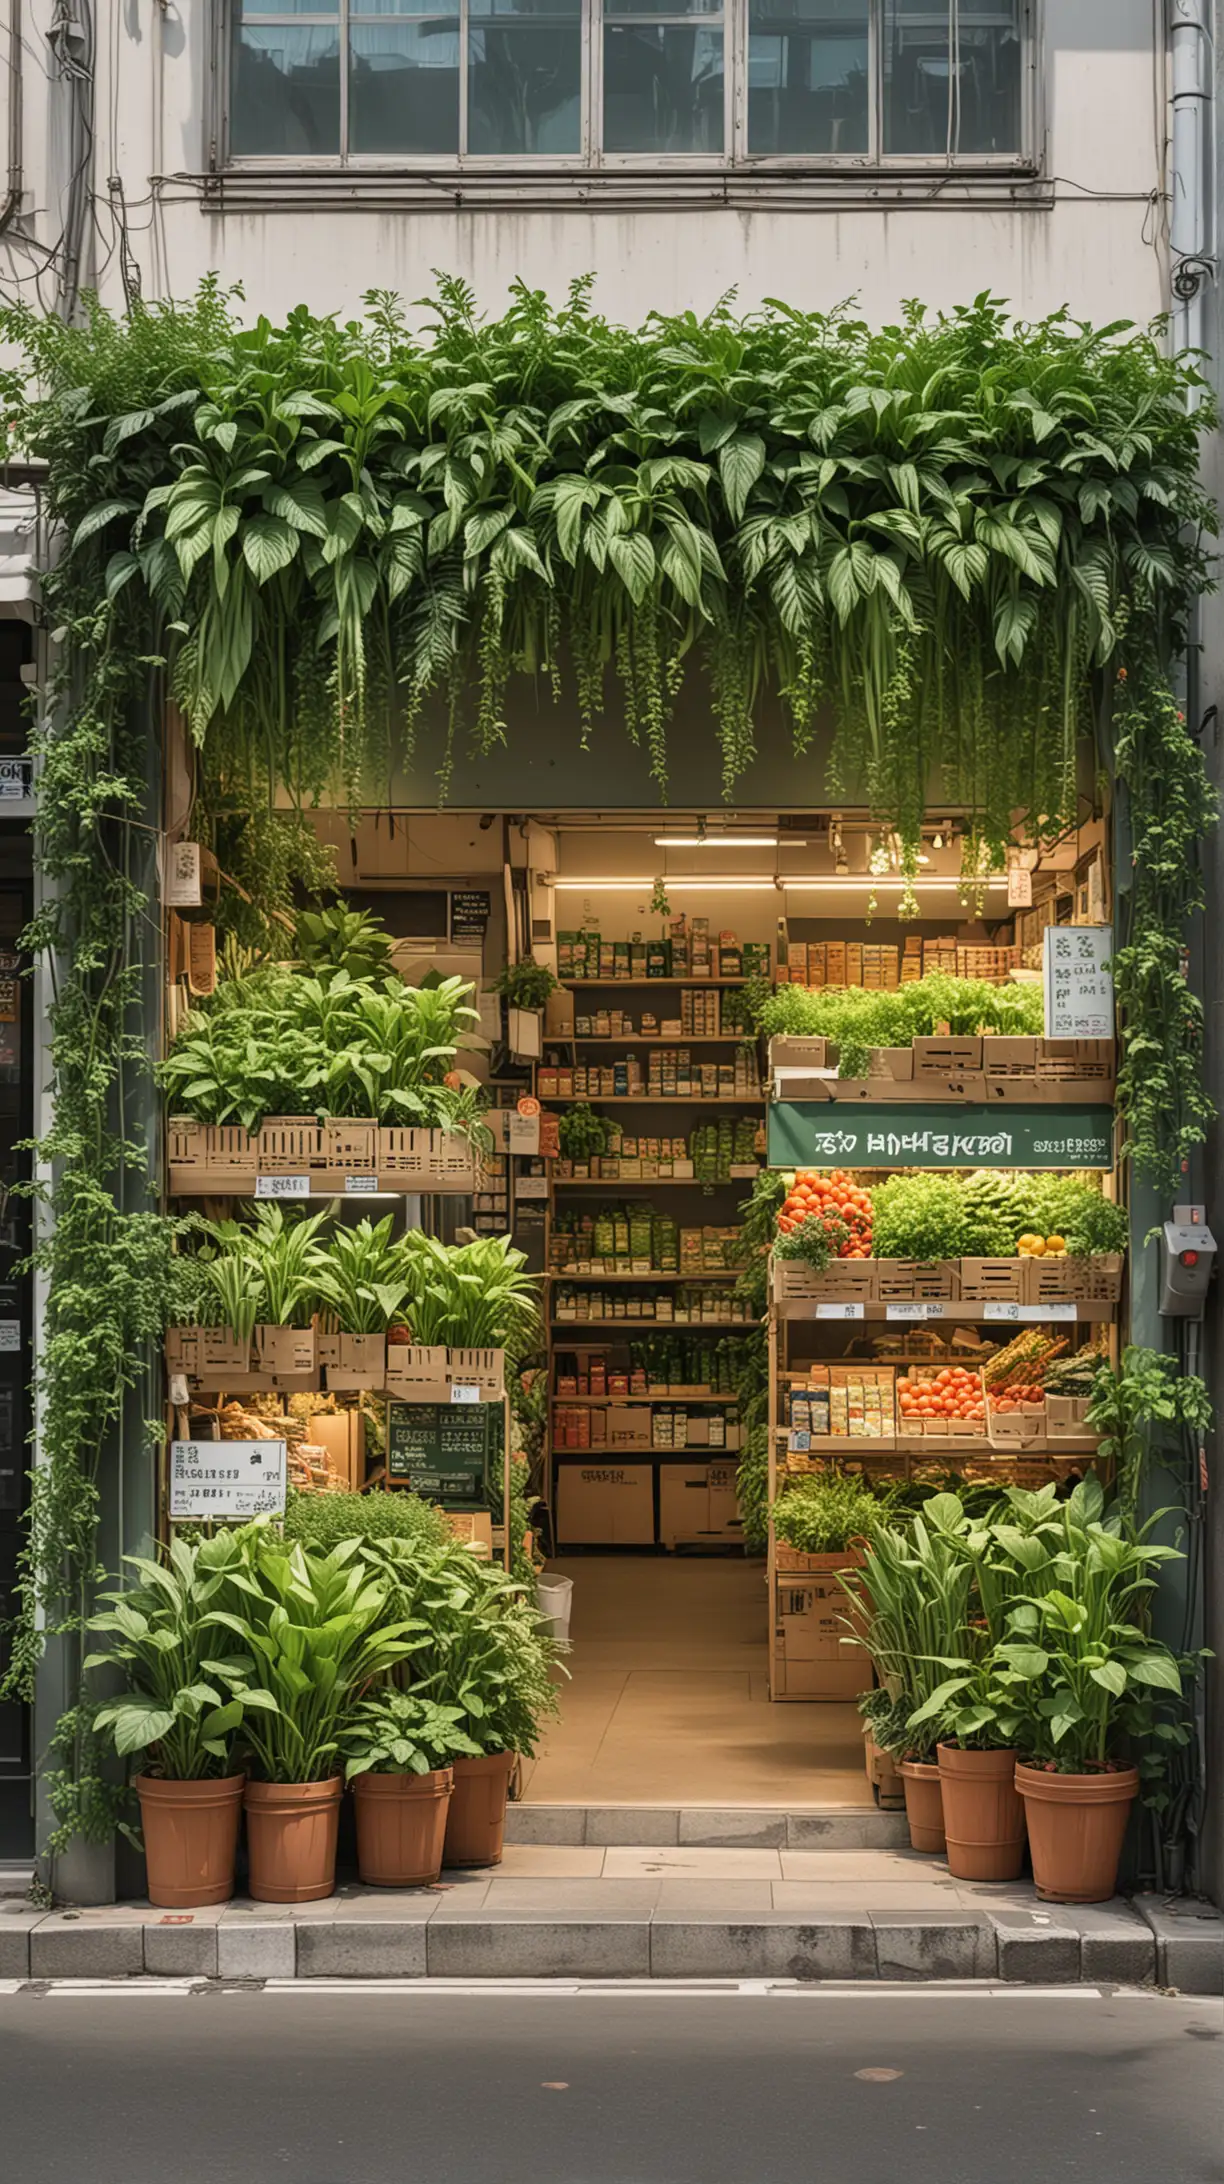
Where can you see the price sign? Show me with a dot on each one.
(282, 1186)
(1053, 1311)
(531, 1186)
(444, 1450)
(1030, 1315)
(10, 1336)
(462, 1393)
(839, 1311)
(523, 1132)
(1019, 887)
(1079, 995)
(184, 888)
(361, 1186)
(915, 1311)
(227, 1479)
(993, 1310)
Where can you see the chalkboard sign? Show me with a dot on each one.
(469, 915)
(444, 1450)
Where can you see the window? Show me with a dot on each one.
(872, 83)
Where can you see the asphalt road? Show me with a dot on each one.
(596, 2088)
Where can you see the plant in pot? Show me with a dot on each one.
(975, 1717)
(1087, 1680)
(918, 1586)
(184, 1705)
(398, 1747)
(824, 1519)
(318, 1629)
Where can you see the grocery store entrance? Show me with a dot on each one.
(669, 1698)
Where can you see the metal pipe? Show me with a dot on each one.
(1191, 185)
(12, 203)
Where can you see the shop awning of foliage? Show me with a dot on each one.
(976, 543)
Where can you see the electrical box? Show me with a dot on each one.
(1187, 1255)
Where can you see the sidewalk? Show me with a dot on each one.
(632, 1911)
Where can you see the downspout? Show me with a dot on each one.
(1191, 179)
(12, 203)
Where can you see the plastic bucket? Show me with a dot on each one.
(555, 1599)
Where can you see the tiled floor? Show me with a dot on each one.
(668, 1702)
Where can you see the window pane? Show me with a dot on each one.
(952, 77)
(524, 76)
(663, 88)
(285, 89)
(404, 86)
(807, 76)
(663, 7)
(249, 8)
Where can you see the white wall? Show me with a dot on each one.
(1093, 241)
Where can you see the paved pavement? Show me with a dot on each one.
(658, 2085)
(641, 1911)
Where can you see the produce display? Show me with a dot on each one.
(833, 1202)
(948, 1394)
(857, 1018)
(989, 1213)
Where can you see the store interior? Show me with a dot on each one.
(653, 925)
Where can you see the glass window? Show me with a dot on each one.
(524, 76)
(808, 84)
(663, 77)
(880, 82)
(952, 77)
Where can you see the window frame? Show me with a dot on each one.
(591, 160)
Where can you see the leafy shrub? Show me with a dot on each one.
(321, 1521)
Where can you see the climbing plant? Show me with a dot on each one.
(956, 549)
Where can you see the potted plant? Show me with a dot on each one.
(398, 1748)
(976, 1718)
(184, 1706)
(318, 1630)
(821, 1522)
(1087, 1680)
(525, 987)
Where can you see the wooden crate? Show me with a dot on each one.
(1067, 1419)
(289, 1145)
(886, 1783)
(1006, 1057)
(1079, 1061)
(895, 1062)
(1074, 1281)
(947, 1057)
(985, 1280)
(426, 1160)
(908, 1281)
(845, 1281)
(350, 1148)
(206, 1158)
(1016, 1431)
(353, 1361)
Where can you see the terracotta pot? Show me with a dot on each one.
(983, 1815)
(1076, 1825)
(191, 1838)
(291, 1839)
(476, 1820)
(401, 1826)
(923, 1804)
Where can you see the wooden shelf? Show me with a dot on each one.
(651, 1326)
(940, 1312)
(679, 1397)
(649, 985)
(653, 1099)
(909, 1444)
(651, 1183)
(691, 1453)
(693, 1281)
(654, 1038)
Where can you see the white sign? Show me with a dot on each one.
(1079, 995)
(1029, 1314)
(523, 1134)
(462, 1393)
(361, 1186)
(227, 1479)
(1019, 887)
(16, 780)
(183, 886)
(531, 1186)
(10, 1336)
(839, 1311)
(994, 1310)
(916, 1311)
(282, 1186)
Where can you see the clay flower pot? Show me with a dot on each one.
(191, 1837)
(401, 1827)
(983, 1815)
(476, 1821)
(923, 1805)
(1076, 1826)
(291, 1839)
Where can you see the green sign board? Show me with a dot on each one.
(843, 1134)
(443, 1451)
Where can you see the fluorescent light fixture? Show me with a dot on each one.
(724, 841)
(596, 886)
(888, 884)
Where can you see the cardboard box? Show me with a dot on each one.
(206, 1157)
(426, 1374)
(342, 1434)
(285, 1349)
(353, 1361)
(698, 1504)
(895, 1062)
(289, 1145)
(605, 1505)
(810, 1662)
(425, 1160)
(629, 1425)
(196, 1350)
(947, 1057)
(559, 1015)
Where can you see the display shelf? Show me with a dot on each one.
(687, 1455)
(657, 1099)
(654, 1038)
(967, 1445)
(656, 1326)
(693, 1280)
(946, 1311)
(647, 985)
(652, 1182)
(661, 1395)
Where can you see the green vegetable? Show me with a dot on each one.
(825, 1512)
(583, 1133)
(919, 1217)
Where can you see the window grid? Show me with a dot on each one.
(732, 19)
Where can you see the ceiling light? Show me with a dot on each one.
(723, 841)
(866, 882)
(671, 883)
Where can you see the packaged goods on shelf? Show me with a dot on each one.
(854, 1402)
(687, 1305)
(666, 1364)
(689, 951)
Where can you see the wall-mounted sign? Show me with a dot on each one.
(444, 1450)
(469, 916)
(16, 780)
(802, 1134)
(1079, 995)
(184, 886)
(1019, 887)
(10, 990)
(227, 1479)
